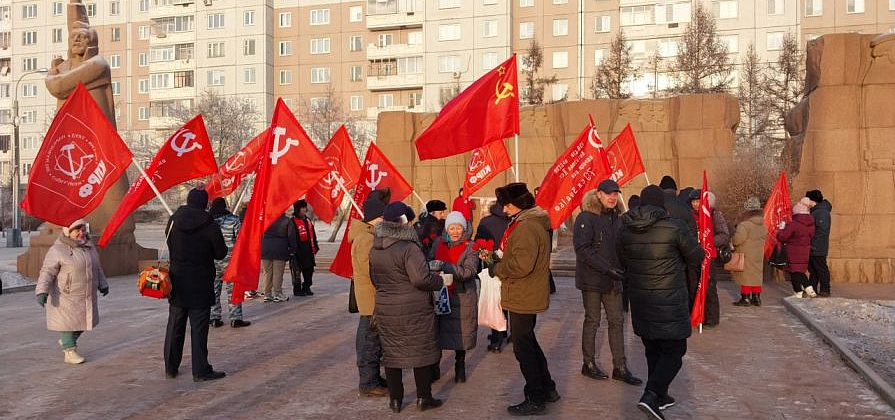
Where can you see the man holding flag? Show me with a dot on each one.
(656, 250)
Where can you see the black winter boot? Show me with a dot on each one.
(756, 299)
(744, 300)
(460, 367)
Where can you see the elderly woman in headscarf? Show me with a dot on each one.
(796, 238)
(453, 255)
(69, 279)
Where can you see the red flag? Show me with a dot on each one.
(80, 158)
(290, 166)
(186, 155)
(624, 157)
(339, 154)
(378, 173)
(242, 163)
(486, 163)
(583, 165)
(486, 111)
(707, 240)
(777, 209)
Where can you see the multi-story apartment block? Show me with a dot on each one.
(370, 55)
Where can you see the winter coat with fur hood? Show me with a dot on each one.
(595, 238)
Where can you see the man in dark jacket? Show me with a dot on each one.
(676, 207)
(491, 228)
(194, 242)
(524, 271)
(276, 249)
(431, 226)
(302, 262)
(656, 250)
(599, 276)
(820, 243)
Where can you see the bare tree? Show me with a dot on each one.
(535, 85)
(322, 116)
(702, 64)
(612, 74)
(785, 87)
(230, 121)
(755, 115)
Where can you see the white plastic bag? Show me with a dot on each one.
(490, 312)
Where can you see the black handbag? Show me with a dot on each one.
(352, 300)
(778, 257)
(725, 253)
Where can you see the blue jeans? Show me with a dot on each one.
(369, 354)
(69, 339)
(235, 310)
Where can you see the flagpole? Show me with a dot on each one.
(350, 198)
(419, 198)
(516, 146)
(242, 194)
(152, 185)
(647, 178)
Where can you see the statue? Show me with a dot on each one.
(85, 65)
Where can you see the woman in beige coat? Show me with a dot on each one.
(69, 279)
(749, 239)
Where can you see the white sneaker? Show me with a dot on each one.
(72, 356)
(810, 292)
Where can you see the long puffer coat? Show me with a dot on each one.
(656, 250)
(404, 312)
(71, 275)
(458, 329)
(796, 238)
(749, 239)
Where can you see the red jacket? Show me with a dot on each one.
(796, 239)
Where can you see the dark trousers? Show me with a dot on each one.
(369, 353)
(664, 359)
(297, 274)
(499, 336)
(712, 303)
(532, 361)
(421, 375)
(820, 273)
(611, 302)
(799, 281)
(176, 334)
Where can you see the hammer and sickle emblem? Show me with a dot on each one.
(506, 92)
(375, 176)
(182, 148)
(73, 170)
(593, 138)
(277, 153)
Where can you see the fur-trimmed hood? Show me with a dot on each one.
(591, 203)
(387, 234)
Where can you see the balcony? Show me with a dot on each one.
(162, 37)
(393, 14)
(395, 81)
(172, 93)
(170, 66)
(375, 52)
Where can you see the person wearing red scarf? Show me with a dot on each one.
(302, 263)
(453, 254)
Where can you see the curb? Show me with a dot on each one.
(17, 289)
(885, 391)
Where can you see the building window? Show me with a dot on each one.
(29, 64)
(58, 8)
(448, 64)
(775, 7)
(560, 1)
(410, 65)
(248, 18)
(216, 78)
(286, 20)
(29, 38)
(560, 27)
(116, 34)
(356, 43)
(560, 92)
(142, 61)
(143, 86)
(673, 12)
(814, 7)
(114, 8)
(416, 100)
(320, 17)
(489, 60)
(319, 74)
(248, 47)
(449, 32)
(91, 9)
(215, 21)
(357, 103)
(116, 88)
(560, 59)
(285, 77)
(248, 75)
(357, 73)
(384, 40)
(285, 48)
(775, 41)
(162, 80)
(183, 79)
(215, 49)
(29, 90)
(144, 6)
(727, 9)
(415, 38)
(602, 23)
(891, 4)
(143, 32)
(732, 42)
(142, 113)
(526, 30)
(599, 56)
(320, 46)
(386, 100)
(489, 28)
(489, 2)
(449, 4)
(667, 47)
(355, 14)
(854, 6)
(526, 3)
(29, 11)
(636, 15)
(115, 61)
(57, 35)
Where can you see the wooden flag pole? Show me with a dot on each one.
(152, 186)
(516, 146)
(419, 198)
(350, 198)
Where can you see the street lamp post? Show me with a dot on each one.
(15, 237)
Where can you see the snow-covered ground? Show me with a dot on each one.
(867, 327)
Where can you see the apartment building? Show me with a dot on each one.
(837, 16)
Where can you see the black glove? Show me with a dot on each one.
(42, 299)
(491, 270)
(104, 290)
(448, 268)
(616, 274)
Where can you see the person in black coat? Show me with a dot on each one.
(276, 249)
(302, 262)
(194, 242)
(676, 207)
(656, 250)
(820, 243)
(431, 226)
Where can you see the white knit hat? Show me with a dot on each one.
(455, 218)
(76, 223)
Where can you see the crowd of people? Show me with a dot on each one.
(415, 283)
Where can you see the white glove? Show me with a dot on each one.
(499, 253)
(781, 225)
